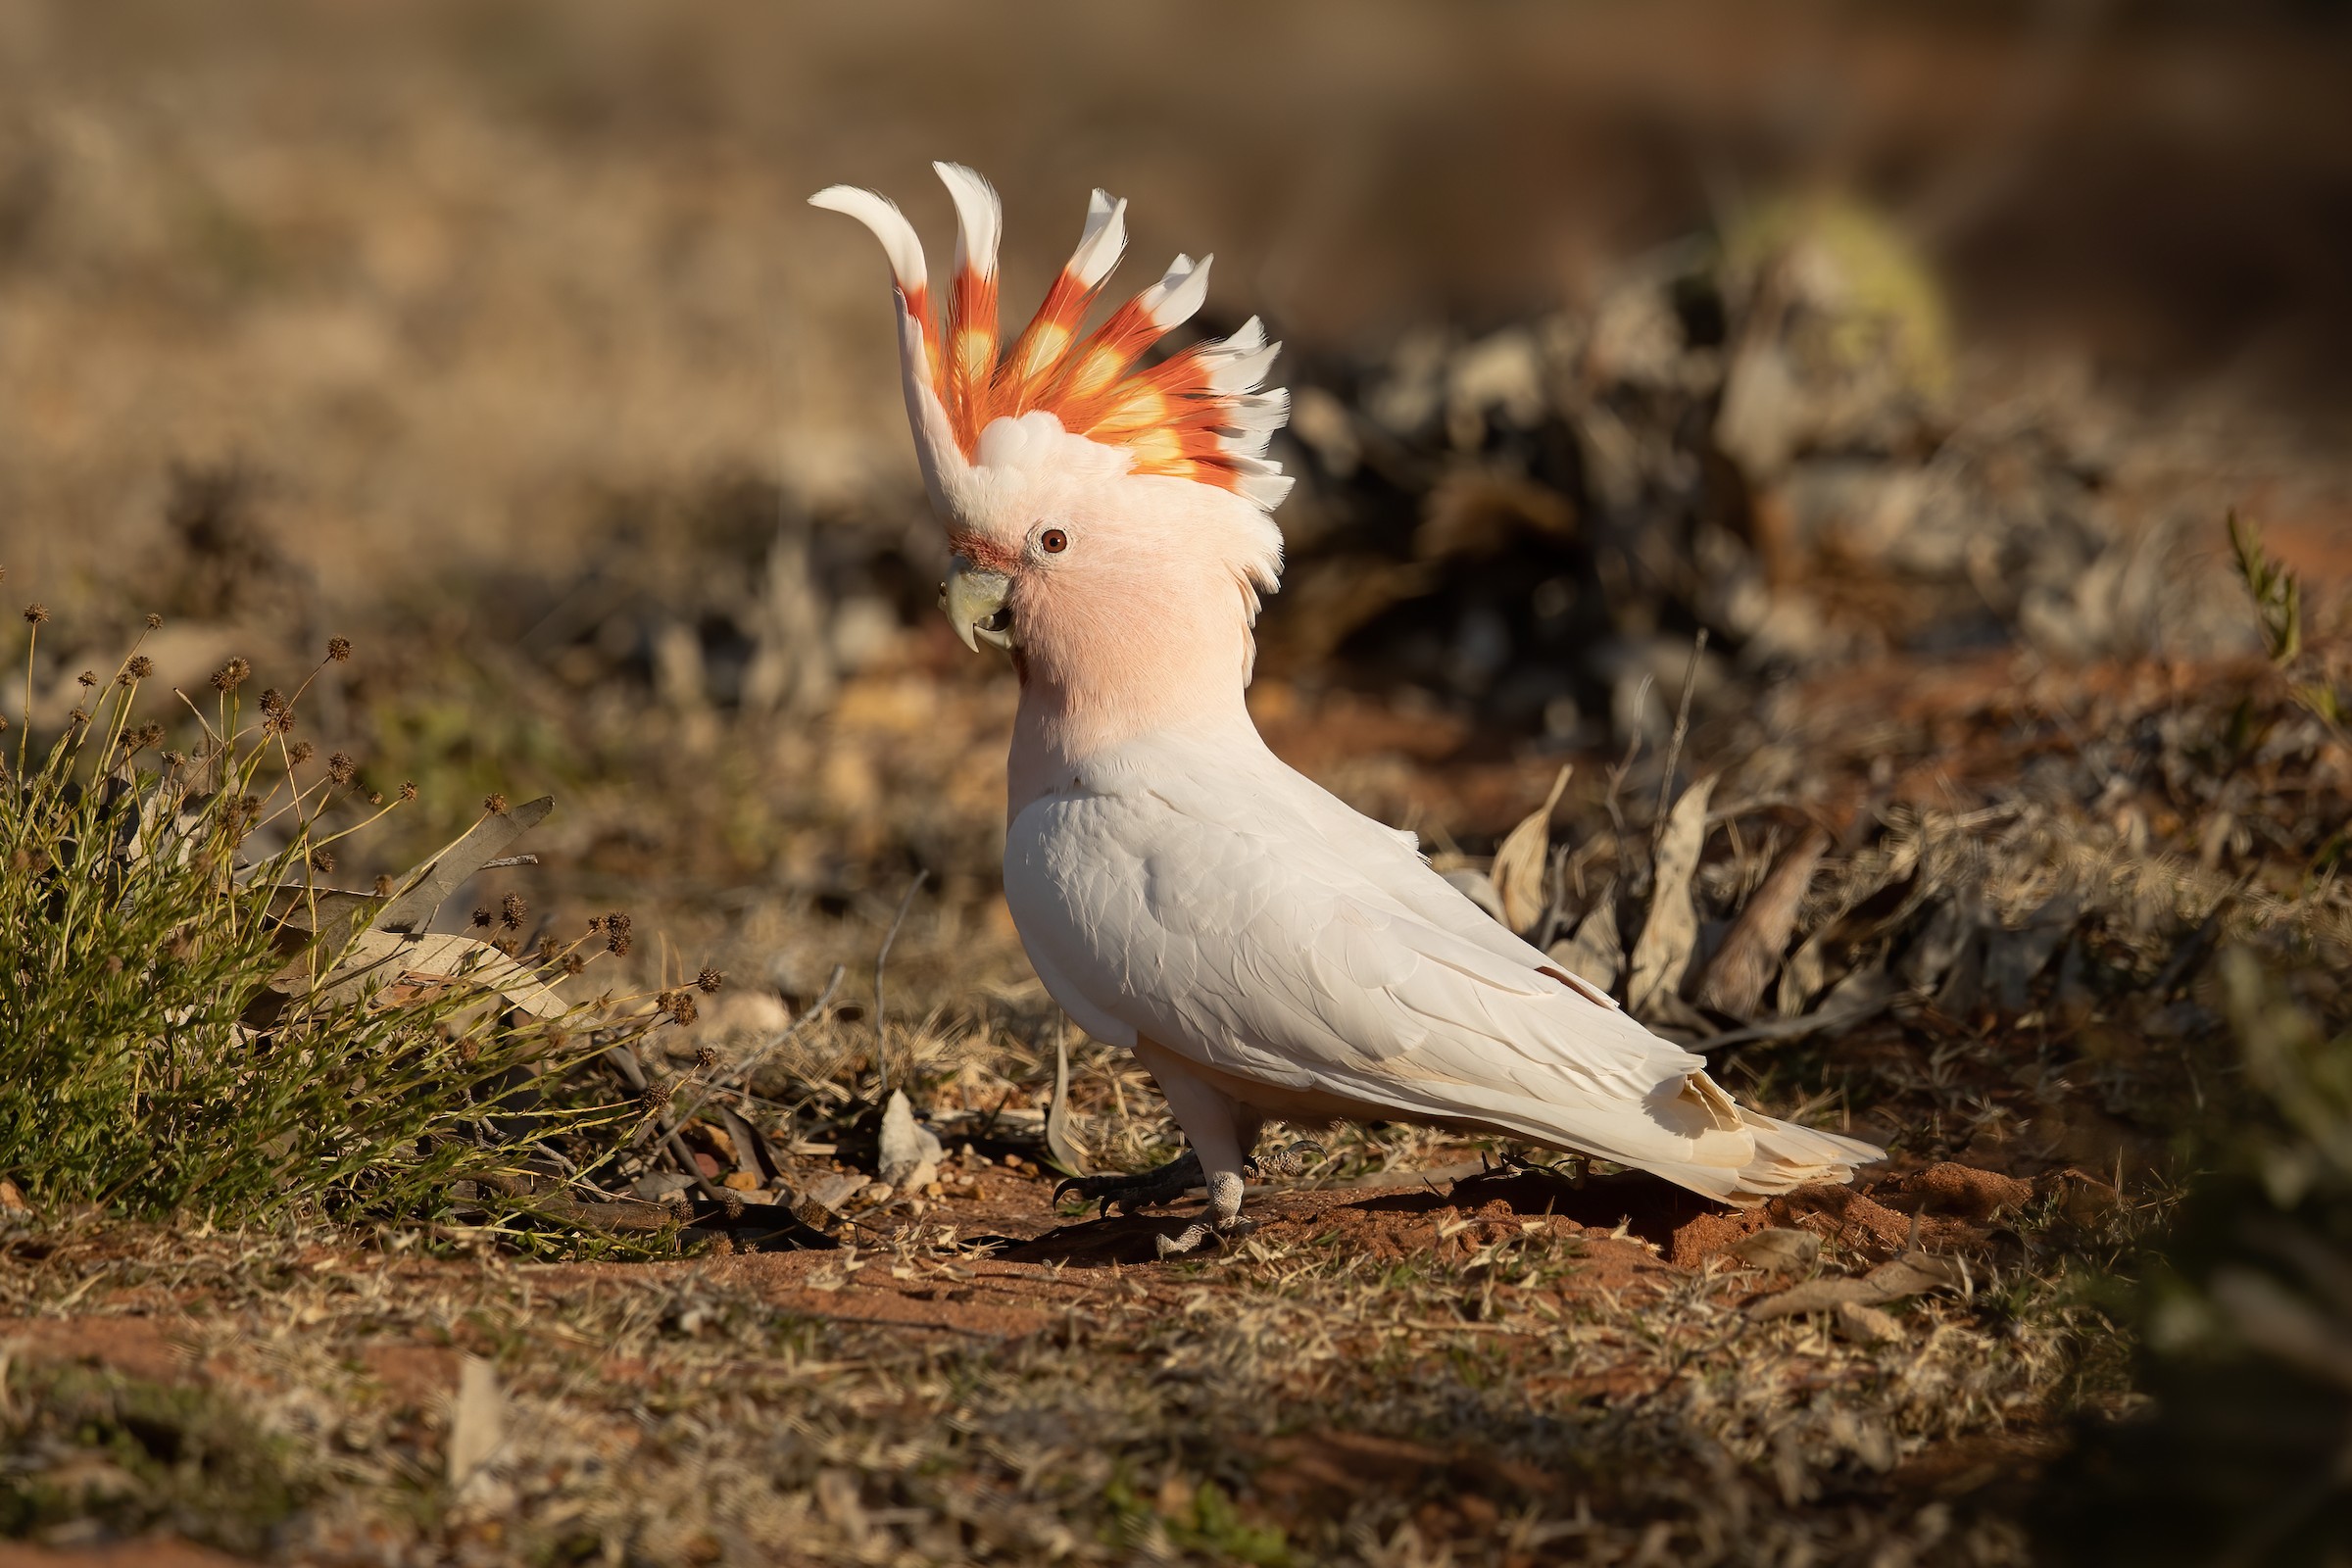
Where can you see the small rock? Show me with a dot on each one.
(655, 1185)
(877, 1193)
(12, 1200)
(741, 1181)
(1867, 1325)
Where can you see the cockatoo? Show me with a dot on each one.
(1264, 950)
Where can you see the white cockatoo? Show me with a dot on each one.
(1265, 951)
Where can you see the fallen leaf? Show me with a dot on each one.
(1067, 1155)
(1865, 1324)
(1784, 1249)
(1912, 1274)
(478, 1421)
(1751, 949)
(909, 1152)
(1594, 954)
(1520, 863)
(1663, 950)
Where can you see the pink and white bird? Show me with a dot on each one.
(1265, 951)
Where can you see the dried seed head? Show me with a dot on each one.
(232, 675)
(596, 923)
(384, 886)
(323, 859)
(274, 701)
(705, 1056)
(617, 935)
(507, 946)
(681, 1006)
(87, 679)
(138, 668)
(468, 1049)
(511, 910)
(338, 649)
(341, 768)
(495, 804)
(549, 950)
(175, 759)
(709, 981)
(280, 722)
(574, 963)
(149, 734)
(408, 792)
(79, 717)
(656, 1094)
(482, 919)
(154, 621)
(36, 613)
(731, 1206)
(375, 797)
(300, 751)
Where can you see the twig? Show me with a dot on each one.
(720, 1083)
(881, 962)
(1674, 743)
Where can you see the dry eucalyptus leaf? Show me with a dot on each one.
(1865, 1324)
(1519, 866)
(394, 965)
(1784, 1250)
(477, 1419)
(1911, 1274)
(909, 1152)
(1060, 1143)
(427, 884)
(1751, 950)
(1594, 954)
(1663, 950)
(1476, 886)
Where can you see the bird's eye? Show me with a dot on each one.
(1053, 541)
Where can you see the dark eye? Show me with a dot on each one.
(1053, 541)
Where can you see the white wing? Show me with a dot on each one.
(1213, 900)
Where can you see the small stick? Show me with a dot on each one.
(1673, 745)
(720, 1083)
(881, 961)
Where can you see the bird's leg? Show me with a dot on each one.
(1140, 1190)
(1220, 1128)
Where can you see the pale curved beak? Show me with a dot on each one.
(974, 600)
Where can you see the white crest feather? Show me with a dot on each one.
(979, 218)
(881, 214)
(1101, 242)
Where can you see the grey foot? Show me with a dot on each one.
(1290, 1159)
(1200, 1232)
(1146, 1188)
(1222, 1222)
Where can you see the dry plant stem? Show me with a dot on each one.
(881, 964)
(624, 1056)
(1674, 743)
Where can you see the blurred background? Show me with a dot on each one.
(1866, 337)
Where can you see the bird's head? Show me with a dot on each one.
(1109, 520)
